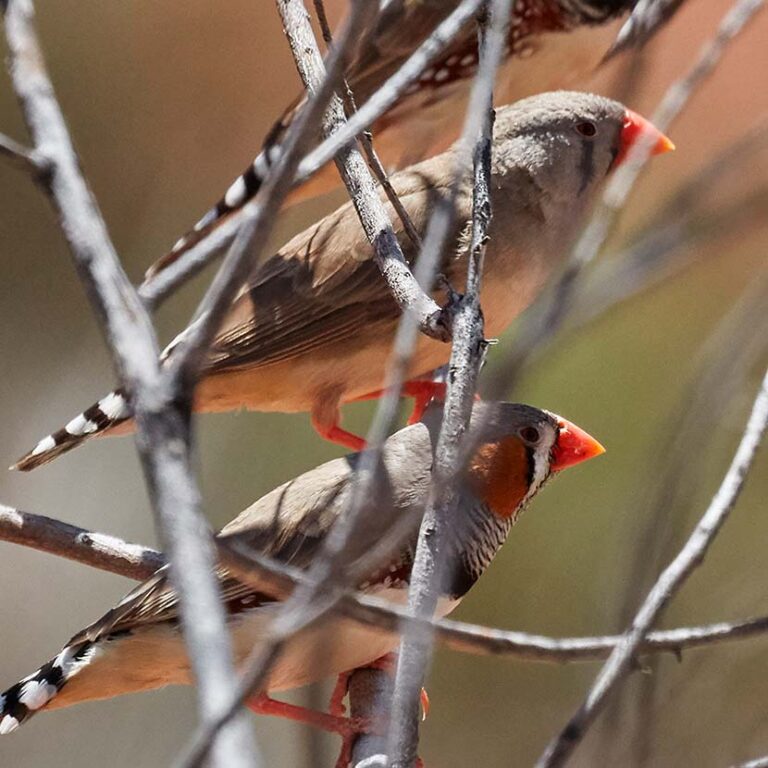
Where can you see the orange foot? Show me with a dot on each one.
(386, 663)
(340, 436)
(422, 391)
(344, 726)
(347, 727)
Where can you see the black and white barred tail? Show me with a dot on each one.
(108, 413)
(35, 691)
(242, 189)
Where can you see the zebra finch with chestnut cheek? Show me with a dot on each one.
(137, 646)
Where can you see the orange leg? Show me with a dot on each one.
(336, 704)
(336, 434)
(344, 726)
(422, 391)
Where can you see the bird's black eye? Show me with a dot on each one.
(586, 128)
(530, 434)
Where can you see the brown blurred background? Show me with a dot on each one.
(166, 103)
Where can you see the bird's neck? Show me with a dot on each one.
(474, 538)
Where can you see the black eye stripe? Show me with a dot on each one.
(530, 474)
(587, 165)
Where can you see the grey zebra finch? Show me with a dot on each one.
(312, 327)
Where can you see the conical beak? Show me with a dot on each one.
(637, 128)
(573, 446)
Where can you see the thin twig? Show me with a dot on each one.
(466, 358)
(646, 19)
(95, 549)
(720, 375)
(360, 184)
(161, 416)
(390, 91)
(668, 584)
(366, 140)
(156, 289)
(19, 155)
(558, 303)
(135, 561)
(760, 762)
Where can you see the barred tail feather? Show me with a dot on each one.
(108, 413)
(35, 691)
(242, 189)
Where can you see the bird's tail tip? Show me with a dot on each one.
(35, 691)
(100, 417)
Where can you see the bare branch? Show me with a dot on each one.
(154, 290)
(95, 549)
(360, 184)
(760, 762)
(366, 140)
(558, 304)
(162, 418)
(391, 91)
(466, 358)
(646, 19)
(681, 91)
(19, 155)
(135, 561)
(127, 326)
(668, 584)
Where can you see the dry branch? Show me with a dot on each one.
(359, 182)
(19, 155)
(760, 762)
(366, 141)
(135, 561)
(95, 549)
(557, 305)
(466, 358)
(162, 416)
(667, 586)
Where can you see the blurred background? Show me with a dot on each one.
(166, 103)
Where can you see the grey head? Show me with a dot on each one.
(565, 141)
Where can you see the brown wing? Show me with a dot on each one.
(285, 524)
(290, 524)
(321, 288)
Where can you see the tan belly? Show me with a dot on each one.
(155, 657)
(321, 379)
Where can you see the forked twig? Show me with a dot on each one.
(666, 587)
(161, 416)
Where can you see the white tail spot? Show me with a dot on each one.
(80, 426)
(37, 693)
(113, 406)
(8, 725)
(261, 166)
(236, 193)
(45, 445)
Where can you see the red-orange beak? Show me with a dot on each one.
(637, 128)
(573, 446)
